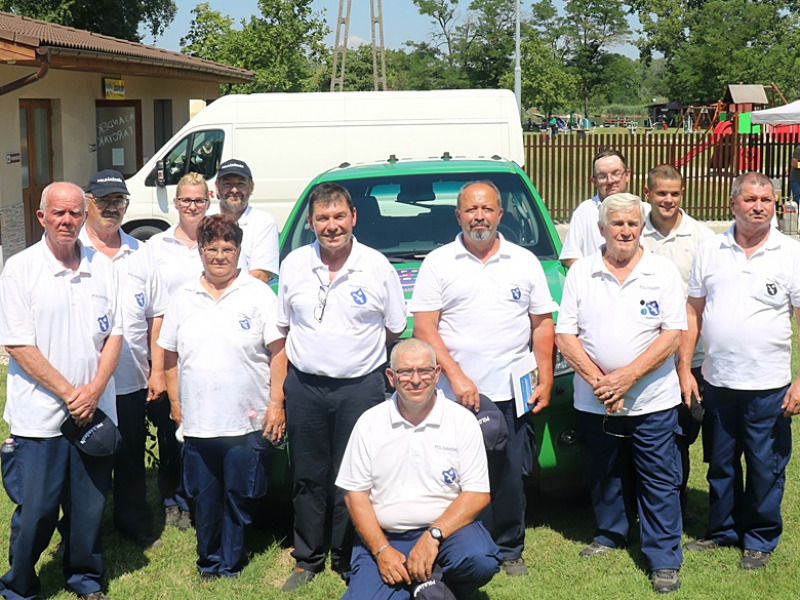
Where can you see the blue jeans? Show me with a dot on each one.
(468, 560)
(650, 439)
(37, 476)
(749, 423)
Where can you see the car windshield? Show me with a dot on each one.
(406, 216)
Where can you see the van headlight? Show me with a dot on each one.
(561, 365)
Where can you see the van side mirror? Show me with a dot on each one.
(161, 181)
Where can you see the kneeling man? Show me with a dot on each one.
(414, 509)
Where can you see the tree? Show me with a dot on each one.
(487, 42)
(115, 18)
(280, 46)
(443, 13)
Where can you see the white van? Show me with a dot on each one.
(287, 139)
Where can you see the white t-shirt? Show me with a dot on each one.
(616, 323)
(223, 360)
(485, 307)
(68, 317)
(364, 300)
(259, 240)
(177, 263)
(679, 246)
(747, 324)
(583, 235)
(414, 473)
(141, 297)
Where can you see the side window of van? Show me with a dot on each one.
(175, 162)
(198, 152)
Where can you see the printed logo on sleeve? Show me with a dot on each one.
(244, 323)
(650, 308)
(359, 296)
(516, 293)
(139, 299)
(772, 289)
(449, 476)
(103, 322)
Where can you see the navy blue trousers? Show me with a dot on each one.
(505, 515)
(468, 560)
(221, 475)
(132, 513)
(751, 423)
(651, 442)
(37, 476)
(320, 415)
(170, 477)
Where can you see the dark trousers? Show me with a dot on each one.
(468, 560)
(751, 423)
(690, 427)
(320, 415)
(505, 515)
(170, 477)
(38, 475)
(651, 441)
(132, 513)
(221, 475)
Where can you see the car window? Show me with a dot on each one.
(407, 216)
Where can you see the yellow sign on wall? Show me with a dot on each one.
(114, 88)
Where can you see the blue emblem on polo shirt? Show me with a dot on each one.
(449, 476)
(244, 323)
(516, 293)
(650, 307)
(103, 322)
(140, 299)
(772, 289)
(359, 296)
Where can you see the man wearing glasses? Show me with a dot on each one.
(610, 175)
(260, 252)
(481, 302)
(143, 304)
(342, 304)
(620, 322)
(416, 479)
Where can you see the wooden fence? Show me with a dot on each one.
(560, 166)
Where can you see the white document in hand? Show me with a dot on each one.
(524, 377)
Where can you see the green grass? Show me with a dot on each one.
(557, 530)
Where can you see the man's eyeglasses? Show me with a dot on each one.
(187, 202)
(615, 176)
(103, 203)
(322, 296)
(425, 373)
(212, 251)
(612, 433)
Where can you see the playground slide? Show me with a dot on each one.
(720, 129)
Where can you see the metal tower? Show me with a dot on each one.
(340, 47)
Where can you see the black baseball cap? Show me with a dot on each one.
(493, 425)
(100, 437)
(105, 183)
(234, 166)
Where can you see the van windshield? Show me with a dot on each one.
(406, 216)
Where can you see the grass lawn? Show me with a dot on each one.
(557, 530)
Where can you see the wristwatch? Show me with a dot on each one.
(436, 533)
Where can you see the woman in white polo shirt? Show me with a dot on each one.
(222, 350)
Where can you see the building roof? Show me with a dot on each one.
(77, 49)
(746, 94)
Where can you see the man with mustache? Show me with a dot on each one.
(480, 301)
(143, 304)
(342, 304)
(260, 252)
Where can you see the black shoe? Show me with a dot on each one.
(665, 581)
(206, 576)
(98, 595)
(298, 579)
(701, 544)
(171, 516)
(753, 559)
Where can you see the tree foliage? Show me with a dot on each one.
(280, 45)
(115, 18)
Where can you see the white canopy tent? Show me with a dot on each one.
(788, 114)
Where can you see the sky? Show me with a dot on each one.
(401, 20)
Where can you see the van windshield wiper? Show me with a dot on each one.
(406, 256)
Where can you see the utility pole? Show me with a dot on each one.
(340, 46)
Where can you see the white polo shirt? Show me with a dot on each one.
(485, 307)
(413, 473)
(68, 317)
(141, 298)
(583, 235)
(259, 240)
(364, 300)
(177, 263)
(747, 325)
(679, 246)
(223, 360)
(616, 323)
